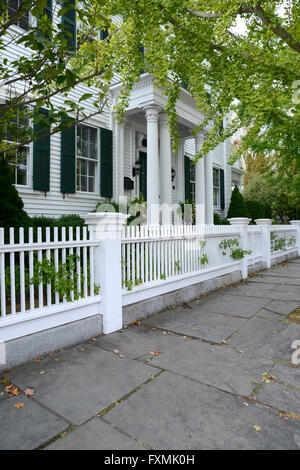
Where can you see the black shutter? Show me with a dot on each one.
(41, 155)
(69, 22)
(222, 190)
(106, 163)
(68, 160)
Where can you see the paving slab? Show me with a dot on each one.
(271, 292)
(283, 307)
(95, 435)
(227, 304)
(278, 309)
(282, 397)
(266, 279)
(267, 338)
(218, 366)
(288, 288)
(137, 341)
(207, 326)
(171, 412)
(79, 382)
(27, 428)
(287, 374)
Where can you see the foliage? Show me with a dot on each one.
(219, 221)
(53, 64)
(258, 209)
(12, 213)
(233, 244)
(136, 208)
(237, 207)
(297, 212)
(254, 73)
(281, 243)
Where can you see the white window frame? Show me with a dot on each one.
(97, 160)
(218, 188)
(28, 162)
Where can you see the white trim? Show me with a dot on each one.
(155, 288)
(48, 317)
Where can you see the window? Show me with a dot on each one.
(15, 133)
(216, 186)
(86, 158)
(13, 7)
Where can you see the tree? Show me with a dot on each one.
(255, 73)
(50, 61)
(195, 42)
(237, 207)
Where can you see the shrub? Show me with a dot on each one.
(256, 209)
(12, 213)
(72, 220)
(237, 207)
(219, 221)
(298, 212)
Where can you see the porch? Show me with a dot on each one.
(145, 164)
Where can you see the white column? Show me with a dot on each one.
(152, 165)
(180, 172)
(296, 223)
(209, 202)
(242, 224)
(265, 227)
(120, 160)
(200, 182)
(165, 169)
(106, 227)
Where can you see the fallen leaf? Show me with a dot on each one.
(241, 351)
(36, 360)
(42, 372)
(19, 405)
(245, 403)
(164, 332)
(121, 355)
(154, 329)
(116, 351)
(257, 428)
(29, 392)
(155, 353)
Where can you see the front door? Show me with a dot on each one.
(143, 174)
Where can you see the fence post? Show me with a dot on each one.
(107, 227)
(264, 225)
(296, 223)
(242, 224)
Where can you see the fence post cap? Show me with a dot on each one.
(106, 224)
(295, 222)
(263, 221)
(239, 221)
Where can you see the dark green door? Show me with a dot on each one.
(143, 174)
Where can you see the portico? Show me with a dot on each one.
(149, 130)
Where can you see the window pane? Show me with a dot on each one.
(93, 143)
(216, 197)
(216, 177)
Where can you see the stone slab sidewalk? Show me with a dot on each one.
(214, 373)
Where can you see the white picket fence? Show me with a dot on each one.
(98, 270)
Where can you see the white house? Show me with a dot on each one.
(105, 160)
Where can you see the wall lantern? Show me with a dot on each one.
(173, 174)
(136, 170)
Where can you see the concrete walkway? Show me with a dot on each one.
(215, 373)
